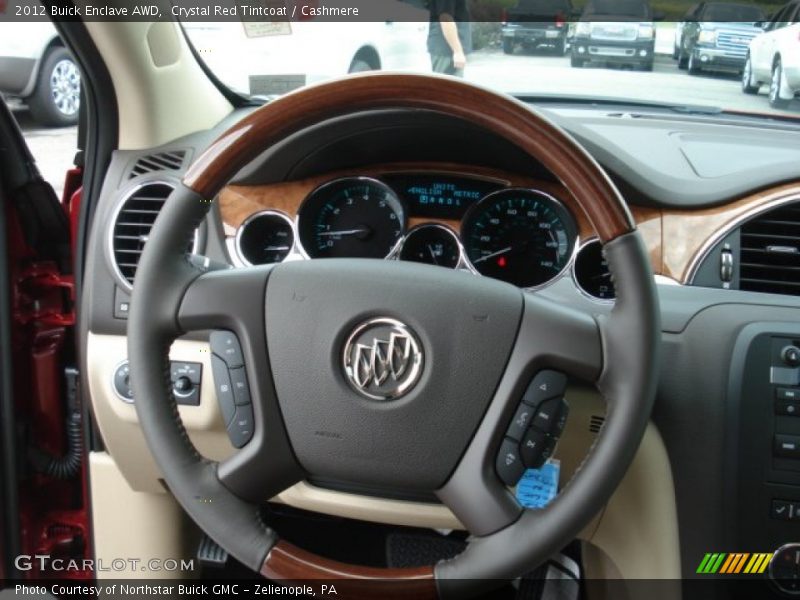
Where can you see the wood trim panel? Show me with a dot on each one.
(503, 116)
(288, 562)
(237, 202)
(687, 233)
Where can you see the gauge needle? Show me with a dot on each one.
(492, 255)
(344, 232)
(433, 254)
(275, 248)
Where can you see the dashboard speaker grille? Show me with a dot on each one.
(770, 252)
(161, 161)
(132, 226)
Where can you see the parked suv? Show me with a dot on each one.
(536, 23)
(715, 36)
(37, 68)
(615, 32)
(774, 58)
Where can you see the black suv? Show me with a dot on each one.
(715, 36)
(536, 23)
(619, 32)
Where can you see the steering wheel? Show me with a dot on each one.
(450, 356)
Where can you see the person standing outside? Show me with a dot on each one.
(449, 36)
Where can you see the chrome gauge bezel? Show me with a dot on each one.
(572, 223)
(299, 219)
(578, 286)
(462, 262)
(263, 213)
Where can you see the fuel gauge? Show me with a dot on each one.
(264, 238)
(432, 244)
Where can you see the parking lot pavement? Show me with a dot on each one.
(547, 74)
(54, 149)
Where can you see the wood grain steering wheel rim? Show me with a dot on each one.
(507, 118)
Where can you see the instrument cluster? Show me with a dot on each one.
(523, 236)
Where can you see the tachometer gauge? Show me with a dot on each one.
(354, 217)
(521, 236)
(432, 244)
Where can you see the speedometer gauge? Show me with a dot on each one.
(355, 217)
(521, 236)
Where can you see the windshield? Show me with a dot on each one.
(618, 8)
(734, 12)
(723, 58)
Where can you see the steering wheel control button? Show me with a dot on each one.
(549, 416)
(122, 384)
(509, 463)
(382, 359)
(520, 422)
(545, 385)
(240, 429)
(532, 447)
(224, 389)
(241, 391)
(225, 344)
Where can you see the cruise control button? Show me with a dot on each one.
(519, 424)
(225, 344)
(531, 448)
(241, 391)
(509, 464)
(240, 429)
(223, 388)
(549, 414)
(545, 385)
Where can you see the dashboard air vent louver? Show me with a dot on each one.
(135, 218)
(161, 161)
(770, 252)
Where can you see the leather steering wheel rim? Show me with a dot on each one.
(172, 296)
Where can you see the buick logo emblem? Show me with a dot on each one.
(382, 359)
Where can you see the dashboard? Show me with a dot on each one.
(415, 187)
(482, 224)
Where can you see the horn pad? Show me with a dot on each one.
(384, 369)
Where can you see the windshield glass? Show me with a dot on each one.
(709, 56)
(734, 12)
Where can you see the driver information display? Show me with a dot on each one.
(439, 197)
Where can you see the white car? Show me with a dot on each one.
(774, 58)
(270, 58)
(37, 68)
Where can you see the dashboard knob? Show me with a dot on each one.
(182, 385)
(791, 356)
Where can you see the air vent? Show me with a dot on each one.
(770, 252)
(596, 423)
(132, 225)
(162, 161)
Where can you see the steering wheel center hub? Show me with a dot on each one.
(383, 359)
